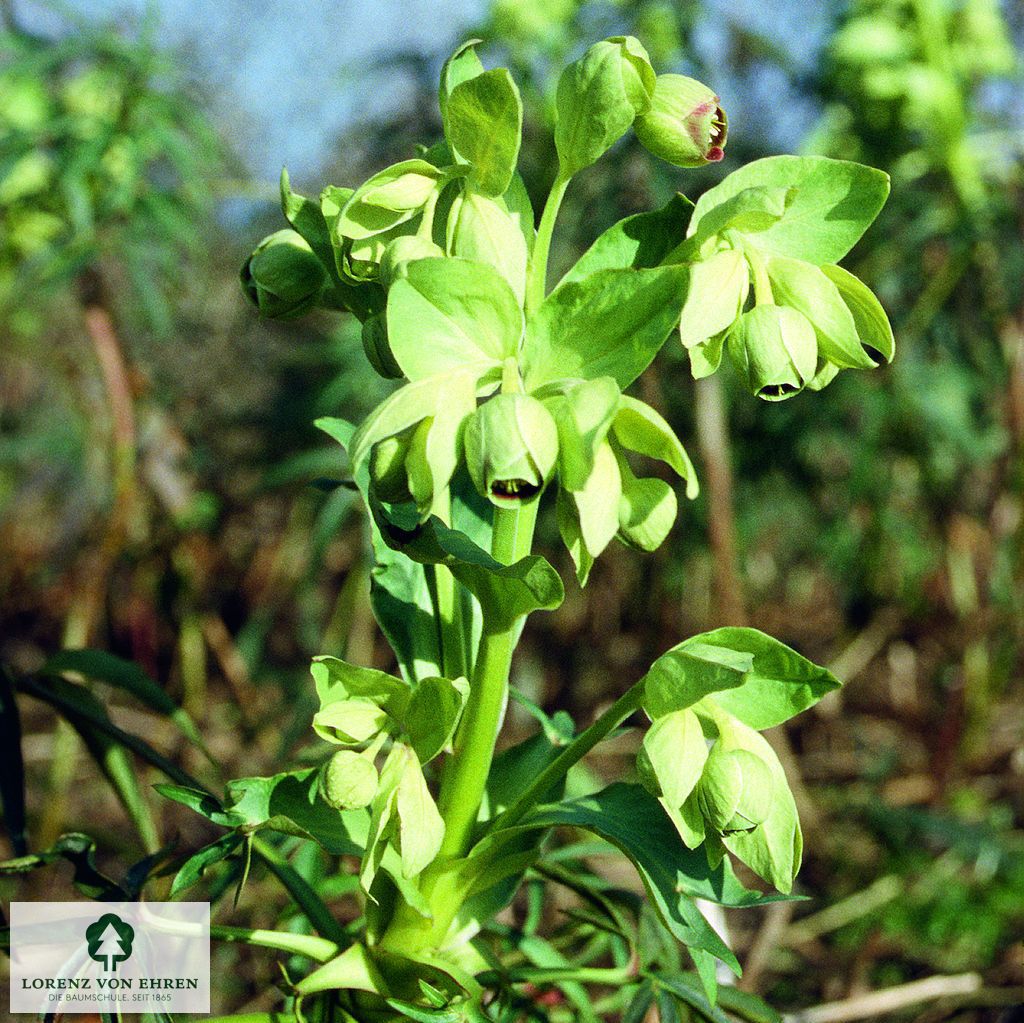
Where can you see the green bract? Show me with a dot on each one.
(509, 390)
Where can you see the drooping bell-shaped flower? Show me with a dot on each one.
(735, 790)
(511, 445)
(685, 124)
(283, 277)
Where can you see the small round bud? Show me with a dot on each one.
(685, 125)
(735, 790)
(511, 445)
(348, 781)
(283, 276)
(387, 468)
(377, 347)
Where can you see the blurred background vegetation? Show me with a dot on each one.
(158, 462)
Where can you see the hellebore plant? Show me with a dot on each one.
(511, 392)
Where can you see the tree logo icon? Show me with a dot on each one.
(110, 941)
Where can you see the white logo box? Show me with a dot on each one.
(131, 957)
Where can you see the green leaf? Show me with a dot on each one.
(583, 412)
(572, 535)
(689, 672)
(676, 751)
(354, 969)
(611, 323)
(716, 289)
(356, 703)
(747, 1006)
(450, 313)
(460, 67)
(673, 875)
(639, 428)
(748, 211)
(382, 818)
(290, 803)
(597, 502)
(484, 122)
(115, 671)
(79, 706)
(694, 998)
(639, 242)
(433, 714)
(506, 592)
(809, 291)
(307, 217)
(421, 829)
(201, 802)
(402, 605)
(707, 357)
(482, 229)
(872, 324)
(389, 198)
(832, 204)
(79, 850)
(193, 869)
(399, 592)
(90, 719)
(406, 407)
(517, 202)
(779, 683)
(647, 510)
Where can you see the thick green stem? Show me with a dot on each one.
(467, 770)
(536, 287)
(448, 609)
(618, 712)
(465, 778)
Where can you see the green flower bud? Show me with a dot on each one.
(735, 790)
(377, 349)
(387, 468)
(775, 351)
(685, 125)
(511, 445)
(599, 96)
(348, 781)
(283, 276)
(400, 253)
